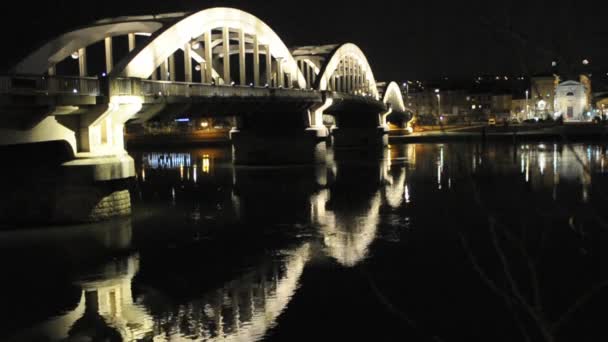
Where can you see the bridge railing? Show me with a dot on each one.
(139, 87)
(49, 85)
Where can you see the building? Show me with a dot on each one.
(542, 96)
(572, 101)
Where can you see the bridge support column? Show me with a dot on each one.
(208, 56)
(280, 76)
(268, 65)
(360, 130)
(109, 54)
(226, 50)
(203, 66)
(286, 138)
(172, 71)
(188, 62)
(164, 71)
(242, 64)
(82, 62)
(131, 41)
(256, 61)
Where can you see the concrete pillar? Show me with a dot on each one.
(109, 55)
(343, 84)
(346, 77)
(226, 47)
(309, 74)
(82, 62)
(203, 66)
(52, 71)
(208, 56)
(188, 62)
(357, 78)
(164, 71)
(131, 42)
(172, 71)
(155, 74)
(280, 77)
(361, 80)
(268, 64)
(256, 61)
(349, 77)
(242, 61)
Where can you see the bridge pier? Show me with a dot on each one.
(361, 130)
(72, 163)
(278, 139)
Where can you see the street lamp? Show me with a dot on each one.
(438, 102)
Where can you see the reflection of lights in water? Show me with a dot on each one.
(439, 177)
(474, 163)
(555, 170)
(206, 164)
(254, 305)
(143, 174)
(450, 183)
(107, 295)
(527, 168)
(173, 195)
(408, 199)
(542, 163)
(181, 172)
(523, 164)
(347, 239)
(166, 160)
(195, 173)
(585, 194)
(254, 300)
(394, 190)
(411, 154)
(440, 167)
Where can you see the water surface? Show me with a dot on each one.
(421, 242)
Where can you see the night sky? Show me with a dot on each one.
(402, 39)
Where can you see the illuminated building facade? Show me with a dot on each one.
(571, 101)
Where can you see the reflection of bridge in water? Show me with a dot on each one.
(341, 200)
(114, 303)
(243, 309)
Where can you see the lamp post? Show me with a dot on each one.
(438, 103)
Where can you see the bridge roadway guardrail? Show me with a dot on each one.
(139, 87)
(49, 85)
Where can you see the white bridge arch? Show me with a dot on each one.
(199, 26)
(54, 51)
(348, 70)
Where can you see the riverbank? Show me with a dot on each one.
(515, 133)
(512, 133)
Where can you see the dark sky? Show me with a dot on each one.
(403, 39)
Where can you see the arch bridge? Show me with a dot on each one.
(82, 87)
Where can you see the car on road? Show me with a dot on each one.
(491, 122)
